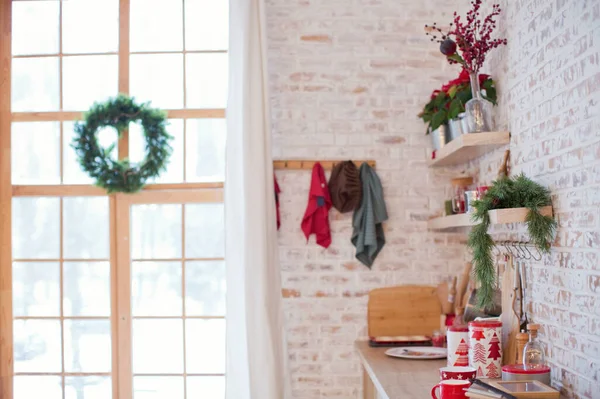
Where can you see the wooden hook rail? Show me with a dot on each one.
(308, 165)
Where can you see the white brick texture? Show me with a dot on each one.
(347, 79)
(549, 91)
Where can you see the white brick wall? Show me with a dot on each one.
(348, 78)
(549, 86)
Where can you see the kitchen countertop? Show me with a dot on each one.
(396, 378)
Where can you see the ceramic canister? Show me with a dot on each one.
(458, 346)
(485, 343)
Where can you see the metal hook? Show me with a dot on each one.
(497, 251)
(539, 253)
(505, 245)
(518, 250)
(523, 245)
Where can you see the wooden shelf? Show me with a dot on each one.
(497, 216)
(469, 146)
(298, 164)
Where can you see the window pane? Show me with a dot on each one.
(156, 231)
(158, 346)
(35, 228)
(36, 289)
(204, 231)
(89, 79)
(90, 26)
(206, 24)
(137, 151)
(156, 289)
(205, 146)
(157, 78)
(37, 346)
(206, 387)
(205, 346)
(206, 77)
(158, 388)
(35, 153)
(86, 228)
(95, 387)
(205, 288)
(35, 26)
(72, 173)
(86, 289)
(87, 346)
(156, 25)
(28, 387)
(35, 84)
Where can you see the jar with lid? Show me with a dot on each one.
(533, 353)
(460, 186)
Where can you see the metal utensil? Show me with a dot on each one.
(517, 304)
(523, 287)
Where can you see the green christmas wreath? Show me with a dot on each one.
(505, 192)
(121, 175)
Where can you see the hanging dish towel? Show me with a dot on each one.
(316, 217)
(345, 187)
(277, 192)
(367, 228)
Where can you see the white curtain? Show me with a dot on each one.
(256, 356)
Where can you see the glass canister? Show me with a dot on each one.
(460, 186)
(533, 353)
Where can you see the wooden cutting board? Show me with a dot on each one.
(403, 310)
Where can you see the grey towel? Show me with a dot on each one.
(367, 229)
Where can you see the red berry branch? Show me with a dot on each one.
(473, 37)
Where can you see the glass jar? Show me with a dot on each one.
(478, 110)
(533, 353)
(460, 186)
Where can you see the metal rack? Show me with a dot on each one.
(517, 249)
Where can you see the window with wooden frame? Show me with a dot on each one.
(119, 296)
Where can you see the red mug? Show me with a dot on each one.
(457, 373)
(451, 389)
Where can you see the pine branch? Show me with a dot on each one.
(505, 192)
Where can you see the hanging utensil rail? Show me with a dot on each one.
(297, 164)
(518, 249)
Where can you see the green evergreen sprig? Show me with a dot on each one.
(505, 192)
(122, 175)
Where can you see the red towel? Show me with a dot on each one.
(277, 191)
(316, 217)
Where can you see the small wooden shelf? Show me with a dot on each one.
(497, 216)
(469, 146)
(298, 164)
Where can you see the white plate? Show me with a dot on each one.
(418, 352)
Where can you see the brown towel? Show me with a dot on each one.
(345, 187)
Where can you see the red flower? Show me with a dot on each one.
(434, 94)
(464, 76)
